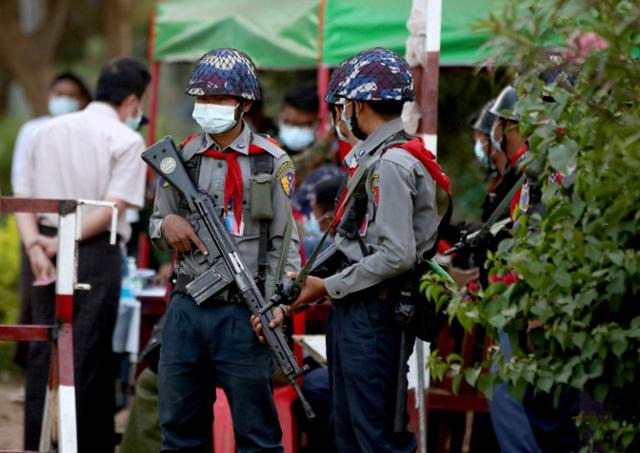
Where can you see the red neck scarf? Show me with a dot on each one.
(233, 180)
(416, 148)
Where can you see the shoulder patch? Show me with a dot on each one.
(285, 167)
(288, 181)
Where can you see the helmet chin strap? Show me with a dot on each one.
(503, 146)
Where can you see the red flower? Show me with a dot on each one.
(508, 279)
(472, 286)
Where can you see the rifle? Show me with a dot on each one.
(287, 290)
(473, 239)
(226, 265)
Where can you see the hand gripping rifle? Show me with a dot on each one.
(226, 265)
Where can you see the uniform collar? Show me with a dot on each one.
(378, 136)
(240, 144)
(103, 108)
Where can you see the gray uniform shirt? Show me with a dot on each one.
(211, 180)
(401, 220)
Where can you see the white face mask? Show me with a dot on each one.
(59, 105)
(343, 117)
(478, 150)
(215, 118)
(296, 138)
(495, 143)
(339, 133)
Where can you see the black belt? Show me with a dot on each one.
(228, 296)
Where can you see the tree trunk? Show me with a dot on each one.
(29, 58)
(35, 79)
(5, 84)
(117, 27)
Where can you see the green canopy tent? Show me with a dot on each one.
(303, 34)
(300, 34)
(286, 34)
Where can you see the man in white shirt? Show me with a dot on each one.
(90, 154)
(67, 93)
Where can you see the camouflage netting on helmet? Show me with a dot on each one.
(225, 71)
(338, 75)
(376, 75)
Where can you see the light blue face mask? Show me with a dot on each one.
(296, 138)
(312, 226)
(60, 105)
(134, 123)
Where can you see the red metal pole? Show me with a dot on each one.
(153, 102)
(323, 75)
(323, 86)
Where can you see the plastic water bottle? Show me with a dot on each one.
(135, 281)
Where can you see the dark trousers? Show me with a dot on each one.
(363, 348)
(24, 315)
(508, 417)
(204, 345)
(94, 316)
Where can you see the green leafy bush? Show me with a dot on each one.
(10, 259)
(572, 311)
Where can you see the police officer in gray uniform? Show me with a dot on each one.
(381, 233)
(212, 343)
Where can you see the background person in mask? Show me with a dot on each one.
(92, 154)
(297, 124)
(298, 119)
(67, 93)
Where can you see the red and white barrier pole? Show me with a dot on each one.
(61, 395)
(429, 92)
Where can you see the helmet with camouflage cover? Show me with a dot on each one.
(505, 105)
(225, 72)
(376, 74)
(336, 77)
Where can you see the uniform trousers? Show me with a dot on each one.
(508, 417)
(94, 317)
(363, 346)
(202, 346)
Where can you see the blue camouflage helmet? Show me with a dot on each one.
(336, 77)
(225, 71)
(376, 74)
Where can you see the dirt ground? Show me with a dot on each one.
(11, 411)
